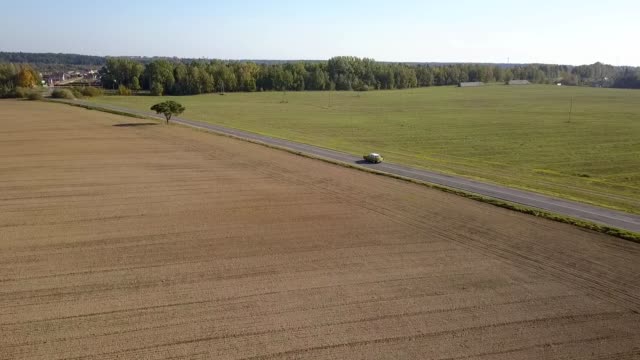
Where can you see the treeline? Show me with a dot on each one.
(338, 73)
(189, 76)
(51, 58)
(14, 77)
(54, 63)
(629, 78)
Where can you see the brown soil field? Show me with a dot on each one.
(163, 242)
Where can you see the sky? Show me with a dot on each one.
(497, 31)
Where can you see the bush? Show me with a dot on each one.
(91, 91)
(21, 92)
(123, 90)
(35, 95)
(62, 94)
(7, 90)
(85, 91)
(77, 92)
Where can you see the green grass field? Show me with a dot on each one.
(517, 136)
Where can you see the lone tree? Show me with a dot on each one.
(168, 109)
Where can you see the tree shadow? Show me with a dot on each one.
(134, 124)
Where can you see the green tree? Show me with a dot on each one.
(318, 80)
(283, 80)
(156, 89)
(135, 84)
(507, 75)
(343, 82)
(120, 72)
(180, 73)
(225, 77)
(298, 74)
(8, 79)
(168, 109)
(424, 76)
(405, 77)
(498, 73)
(247, 75)
(206, 81)
(159, 74)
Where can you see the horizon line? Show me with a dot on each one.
(311, 60)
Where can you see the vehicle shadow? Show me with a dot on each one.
(134, 124)
(362, 162)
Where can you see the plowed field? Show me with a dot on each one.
(132, 241)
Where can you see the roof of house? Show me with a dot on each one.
(468, 84)
(519, 82)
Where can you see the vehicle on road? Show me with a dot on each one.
(373, 158)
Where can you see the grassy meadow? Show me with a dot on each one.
(518, 136)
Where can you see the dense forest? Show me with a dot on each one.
(50, 62)
(51, 58)
(341, 73)
(195, 76)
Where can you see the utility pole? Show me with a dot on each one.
(570, 108)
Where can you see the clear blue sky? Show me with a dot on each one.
(560, 31)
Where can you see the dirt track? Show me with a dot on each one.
(163, 242)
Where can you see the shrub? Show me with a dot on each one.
(7, 90)
(85, 91)
(35, 95)
(123, 90)
(21, 92)
(77, 92)
(62, 94)
(91, 91)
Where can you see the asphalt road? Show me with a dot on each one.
(572, 209)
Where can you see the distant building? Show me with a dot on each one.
(53, 78)
(470, 84)
(90, 75)
(81, 76)
(519, 82)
